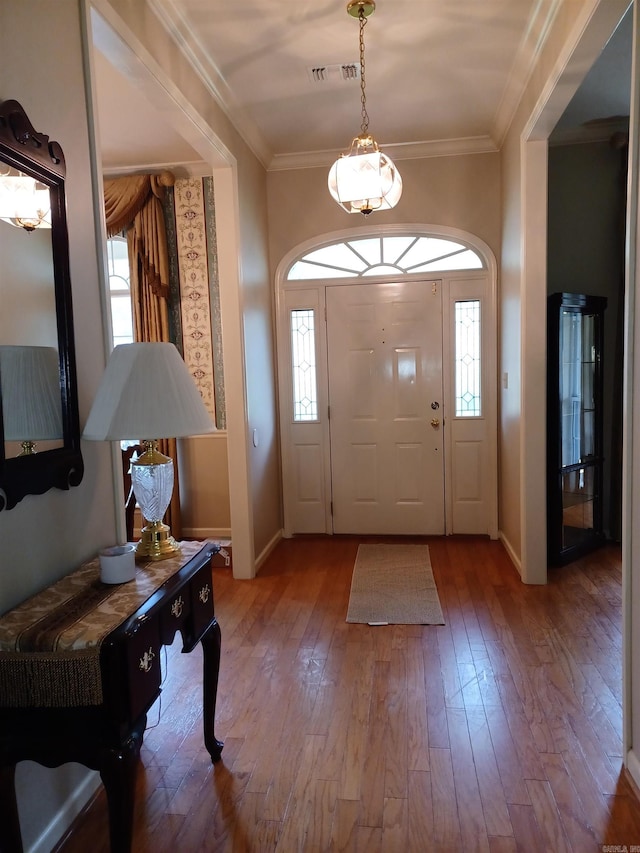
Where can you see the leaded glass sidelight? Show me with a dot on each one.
(467, 359)
(303, 360)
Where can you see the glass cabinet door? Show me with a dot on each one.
(575, 424)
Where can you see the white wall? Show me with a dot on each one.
(45, 536)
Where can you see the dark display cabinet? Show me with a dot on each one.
(574, 425)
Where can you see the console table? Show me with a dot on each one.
(80, 668)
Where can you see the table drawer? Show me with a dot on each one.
(201, 592)
(175, 615)
(143, 667)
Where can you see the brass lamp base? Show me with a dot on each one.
(156, 542)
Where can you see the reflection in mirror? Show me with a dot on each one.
(24, 202)
(31, 404)
(28, 329)
(38, 391)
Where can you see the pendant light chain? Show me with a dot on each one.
(363, 179)
(364, 127)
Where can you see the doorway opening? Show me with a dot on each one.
(387, 354)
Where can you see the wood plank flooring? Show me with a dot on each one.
(498, 732)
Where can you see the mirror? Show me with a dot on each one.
(39, 422)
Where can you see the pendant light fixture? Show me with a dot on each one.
(364, 179)
(24, 202)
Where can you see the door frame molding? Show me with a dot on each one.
(490, 338)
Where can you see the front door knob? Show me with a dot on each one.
(435, 422)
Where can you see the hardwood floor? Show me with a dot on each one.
(499, 731)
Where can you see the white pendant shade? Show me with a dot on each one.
(30, 390)
(24, 202)
(147, 392)
(361, 183)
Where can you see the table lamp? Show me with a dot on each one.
(147, 393)
(30, 393)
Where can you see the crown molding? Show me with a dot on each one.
(194, 169)
(176, 25)
(402, 151)
(535, 36)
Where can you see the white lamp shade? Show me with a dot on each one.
(30, 389)
(147, 392)
(361, 183)
(24, 202)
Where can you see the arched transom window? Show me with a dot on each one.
(398, 255)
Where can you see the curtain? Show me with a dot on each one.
(134, 204)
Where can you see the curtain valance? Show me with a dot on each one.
(124, 197)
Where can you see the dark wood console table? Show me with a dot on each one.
(80, 668)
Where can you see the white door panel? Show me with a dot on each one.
(384, 345)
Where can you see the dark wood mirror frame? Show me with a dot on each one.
(34, 154)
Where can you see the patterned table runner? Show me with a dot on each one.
(50, 644)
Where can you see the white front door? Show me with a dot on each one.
(384, 349)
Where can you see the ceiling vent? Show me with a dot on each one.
(348, 72)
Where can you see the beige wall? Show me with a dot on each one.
(459, 192)
(26, 287)
(509, 354)
(259, 351)
(204, 487)
(46, 536)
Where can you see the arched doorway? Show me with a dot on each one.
(387, 383)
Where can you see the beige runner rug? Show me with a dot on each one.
(394, 585)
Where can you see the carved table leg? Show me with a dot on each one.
(211, 669)
(118, 769)
(10, 837)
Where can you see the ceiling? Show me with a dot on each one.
(441, 77)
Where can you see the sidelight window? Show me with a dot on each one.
(467, 359)
(303, 351)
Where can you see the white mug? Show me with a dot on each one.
(118, 564)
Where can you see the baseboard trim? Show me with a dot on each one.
(225, 533)
(61, 824)
(512, 554)
(206, 532)
(633, 766)
(268, 549)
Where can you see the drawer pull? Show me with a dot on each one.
(203, 595)
(146, 660)
(176, 607)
